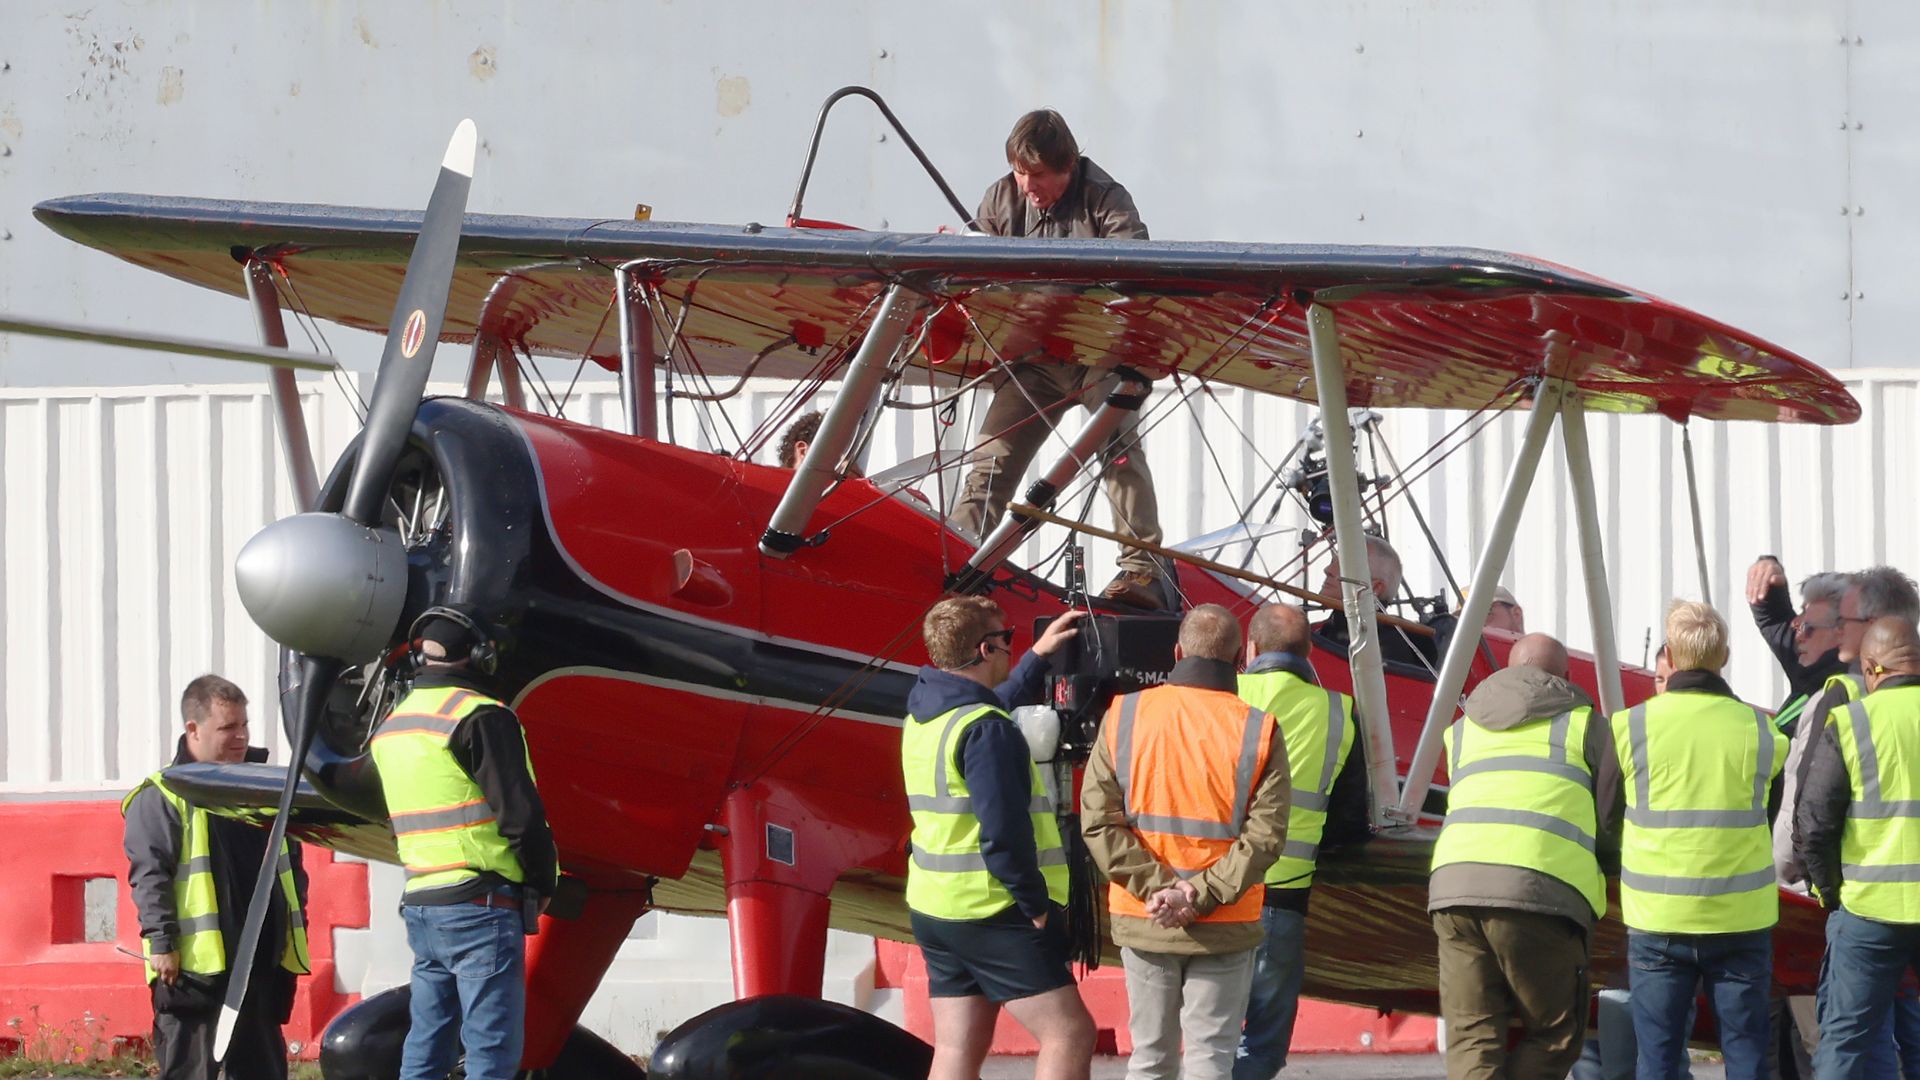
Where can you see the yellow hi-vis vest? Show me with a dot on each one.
(1317, 725)
(1524, 797)
(1855, 687)
(1879, 738)
(1696, 857)
(947, 876)
(442, 822)
(196, 901)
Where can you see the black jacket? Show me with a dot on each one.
(1417, 651)
(996, 763)
(490, 746)
(1773, 616)
(1347, 818)
(1820, 810)
(152, 842)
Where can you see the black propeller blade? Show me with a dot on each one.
(413, 333)
(398, 388)
(316, 680)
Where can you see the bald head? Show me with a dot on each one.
(1279, 628)
(1891, 647)
(1210, 631)
(1541, 651)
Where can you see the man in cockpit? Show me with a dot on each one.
(1402, 646)
(1052, 190)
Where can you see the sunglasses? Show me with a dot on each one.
(1005, 637)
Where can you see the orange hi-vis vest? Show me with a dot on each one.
(1187, 760)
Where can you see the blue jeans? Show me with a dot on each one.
(1277, 966)
(469, 973)
(1858, 980)
(1906, 1035)
(1664, 973)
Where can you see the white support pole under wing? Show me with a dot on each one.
(289, 418)
(1586, 514)
(866, 377)
(1693, 505)
(1356, 590)
(1473, 614)
(638, 362)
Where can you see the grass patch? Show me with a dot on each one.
(122, 1065)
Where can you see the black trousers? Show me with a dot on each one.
(183, 1035)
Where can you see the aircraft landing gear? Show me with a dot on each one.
(363, 1043)
(789, 1037)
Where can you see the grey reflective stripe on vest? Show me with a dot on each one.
(1300, 849)
(415, 723)
(1898, 873)
(1870, 805)
(1637, 740)
(1123, 753)
(1696, 819)
(1530, 819)
(1519, 763)
(414, 821)
(940, 802)
(1697, 886)
(1557, 763)
(200, 924)
(1180, 826)
(1319, 797)
(199, 864)
(973, 860)
(1642, 815)
(1243, 772)
(963, 804)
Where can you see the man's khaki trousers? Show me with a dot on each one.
(1499, 967)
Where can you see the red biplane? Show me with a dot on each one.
(711, 656)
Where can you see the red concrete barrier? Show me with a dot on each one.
(1322, 1027)
(67, 996)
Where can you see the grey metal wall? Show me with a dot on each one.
(1750, 158)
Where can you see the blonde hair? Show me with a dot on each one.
(1696, 637)
(953, 629)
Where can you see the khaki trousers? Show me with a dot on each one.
(991, 482)
(1199, 999)
(1499, 966)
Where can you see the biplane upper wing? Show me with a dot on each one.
(1420, 327)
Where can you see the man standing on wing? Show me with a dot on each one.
(1052, 190)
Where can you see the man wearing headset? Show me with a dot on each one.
(474, 838)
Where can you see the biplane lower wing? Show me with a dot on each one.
(1420, 327)
(252, 791)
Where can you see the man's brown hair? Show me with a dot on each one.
(196, 704)
(800, 431)
(1040, 140)
(1210, 631)
(954, 628)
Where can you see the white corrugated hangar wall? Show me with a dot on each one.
(125, 508)
(1752, 159)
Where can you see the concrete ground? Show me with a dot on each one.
(1303, 1067)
